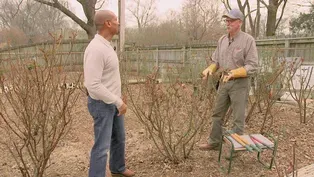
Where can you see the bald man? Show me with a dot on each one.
(103, 83)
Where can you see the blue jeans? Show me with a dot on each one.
(109, 134)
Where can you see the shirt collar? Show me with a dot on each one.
(102, 39)
(234, 37)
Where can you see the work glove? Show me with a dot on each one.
(235, 73)
(209, 71)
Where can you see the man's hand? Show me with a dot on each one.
(235, 73)
(124, 99)
(227, 77)
(122, 109)
(207, 72)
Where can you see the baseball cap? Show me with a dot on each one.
(234, 14)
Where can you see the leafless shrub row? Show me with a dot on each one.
(35, 113)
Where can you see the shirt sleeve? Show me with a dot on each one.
(251, 58)
(93, 69)
(215, 55)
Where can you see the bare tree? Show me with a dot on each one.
(31, 19)
(272, 9)
(177, 28)
(254, 23)
(144, 11)
(9, 10)
(245, 8)
(37, 18)
(199, 17)
(169, 31)
(272, 22)
(89, 7)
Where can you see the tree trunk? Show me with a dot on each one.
(242, 9)
(271, 17)
(258, 19)
(91, 32)
(243, 25)
(89, 10)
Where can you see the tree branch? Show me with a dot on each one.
(5, 22)
(250, 18)
(226, 4)
(45, 2)
(56, 4)
(18, 8)
(240, 4)
(103, 2)
(246, 3)
(282, 11)
(263, 2)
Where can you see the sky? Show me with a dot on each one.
(163, 6)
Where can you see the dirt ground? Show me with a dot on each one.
(71, 157)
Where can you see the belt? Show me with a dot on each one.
(239, 78)
(232, 79)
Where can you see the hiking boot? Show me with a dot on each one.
(208, 147)
(126, 173)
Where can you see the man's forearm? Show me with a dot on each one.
(100, 92)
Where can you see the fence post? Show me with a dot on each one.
(18, 55)
(157, 57)
(287, 46)
(184, 55)
(157, 60)
(138, 58)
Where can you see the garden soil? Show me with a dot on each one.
(71, 157)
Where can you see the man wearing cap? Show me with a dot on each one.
(236, 57)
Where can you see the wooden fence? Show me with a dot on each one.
(191, 58)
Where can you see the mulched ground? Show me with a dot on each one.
(71, 157)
